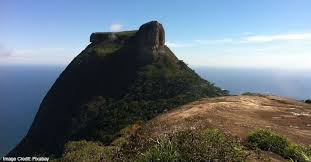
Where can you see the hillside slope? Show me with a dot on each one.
(238, 115)
(231, 128)
(119, 79)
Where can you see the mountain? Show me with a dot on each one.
(119, 79)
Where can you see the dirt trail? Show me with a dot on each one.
(238, 115)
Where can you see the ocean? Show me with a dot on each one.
(22, 87)
(21, 90)
(290, 83)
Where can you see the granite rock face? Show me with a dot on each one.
(150, 40)
(151, 35)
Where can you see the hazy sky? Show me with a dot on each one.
(226, 33)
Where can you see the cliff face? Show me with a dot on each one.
(151, 35)
(119, 79)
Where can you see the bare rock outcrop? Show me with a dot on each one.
(151, 34)
(150, 39)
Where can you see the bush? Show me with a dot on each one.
(298, 153)
(164, 150)
(193, 145)
(308, 101)
(270, 141)
(251, 94)
(85, 151)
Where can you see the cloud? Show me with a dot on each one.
(24, 52)
(177, 45)
(215, 41)
(247, 33)
(48, 55)
(115, 27)
(250, 38)
(245, 38)
(278, 37)
(255, 61)
(4, 52)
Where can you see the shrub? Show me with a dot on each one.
(270, 141)
(251, 94)
(298, 153)
(85, 151)
(308, 101)
(164, 150)
(194, 145)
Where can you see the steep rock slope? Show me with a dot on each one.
(119, 79)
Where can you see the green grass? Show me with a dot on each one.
(85, 151)
(195, 145)
(251, 94)
(125, 134)
(270, 141)
(106, 48)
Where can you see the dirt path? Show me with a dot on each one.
(238, 115)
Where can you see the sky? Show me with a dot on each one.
(218, 33)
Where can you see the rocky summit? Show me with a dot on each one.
(119, 79)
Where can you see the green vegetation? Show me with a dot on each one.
(106, 48)
(195, 145)
(85, 151)
(252, 94)
(158, 86)
(270, 141)
(126, 34)
(185, 145)
(125, 134)
(188, 145)
(308, 101)
(121, 35)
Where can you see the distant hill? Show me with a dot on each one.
(120, 79)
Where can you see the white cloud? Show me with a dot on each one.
(278, 37)
(280, 55)
(115, 27)
(4, 52)
(50, 55)
(215, 41)
(19, 52)
(241, 60)
(248, 37)
(247, 33)
(177, 45)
